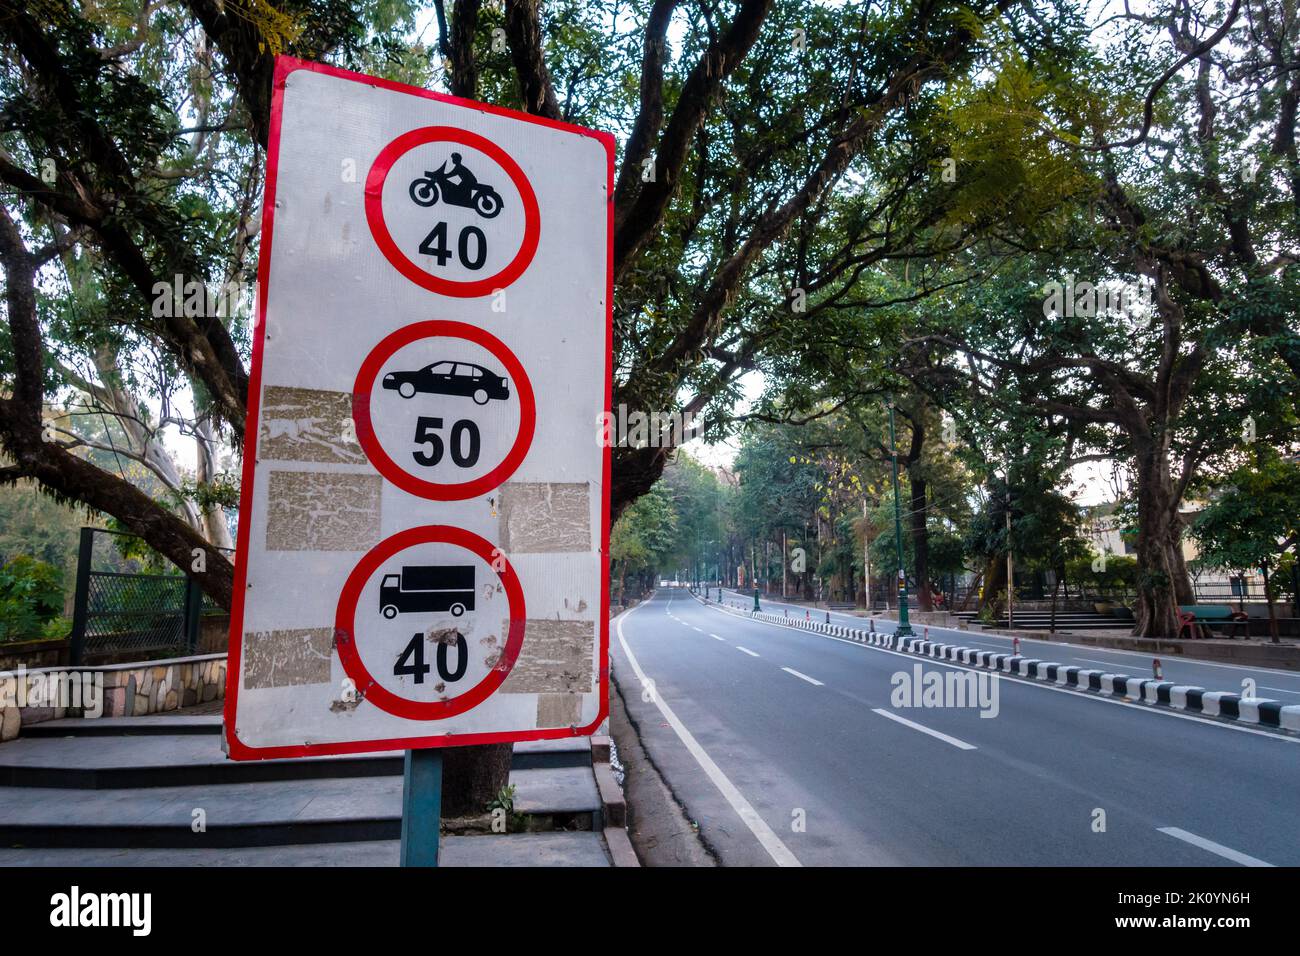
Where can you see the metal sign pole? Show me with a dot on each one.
(421, 807)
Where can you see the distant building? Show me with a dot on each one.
(1104, 532)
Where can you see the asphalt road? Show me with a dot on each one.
(785, 747)
(1272, 683)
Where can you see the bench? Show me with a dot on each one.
(1210, 615)
(840, 606)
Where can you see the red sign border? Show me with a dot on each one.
(401, 261)
(345, 616)
(364, 387)
(284, 67)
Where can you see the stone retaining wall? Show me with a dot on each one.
(214, 638)
(129, 690)
(49, 653)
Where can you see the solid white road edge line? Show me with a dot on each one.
(960, 744)
(811, 680)
(1144, 708)
(777, 850)
(1228, 853)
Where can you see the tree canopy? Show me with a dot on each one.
(1048, 232)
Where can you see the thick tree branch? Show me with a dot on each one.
(904, 85)
(69, 477)
(246, 54)
(651, 114)
(524, 35)
(635, 224)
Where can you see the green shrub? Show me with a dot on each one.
(56, 628)
(1116, 577)
(31, 596)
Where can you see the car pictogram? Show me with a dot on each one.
(450, 378)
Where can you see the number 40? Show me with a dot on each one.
(411, 662)
(435, 244)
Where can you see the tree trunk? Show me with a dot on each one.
(1272, 613)
(472, 777)
(995, 580)
(1162, 582)
(214, 517)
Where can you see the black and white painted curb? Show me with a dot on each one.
(1183, 697)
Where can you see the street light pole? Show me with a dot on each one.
(866, 557)
(1011, 620)
(904, 628)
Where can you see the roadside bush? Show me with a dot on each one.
(31, 597)
(1116, 579)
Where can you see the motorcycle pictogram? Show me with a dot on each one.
(456, 186)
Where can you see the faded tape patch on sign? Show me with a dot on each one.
(556, 658)
(308, 424)
(287, 658)
(558, 710)
(318, 511)
(542, 517)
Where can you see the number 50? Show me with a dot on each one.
(464, 442)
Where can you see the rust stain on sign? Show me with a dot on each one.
(544, 517)
(442, 635)
(287, 658)
(555, 658)
(558, 710)
(307, 424)
(317, 511)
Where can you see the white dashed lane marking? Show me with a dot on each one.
(1216, 848)
(811, 680)
(960, 744)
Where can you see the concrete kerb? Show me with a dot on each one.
(1157, 693)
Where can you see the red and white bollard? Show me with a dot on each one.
(1015, 646)
(926, 629)
(807, 615)
(1157, 669)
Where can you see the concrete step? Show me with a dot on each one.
(1037, 616)
(1026, 625)
(269, 813)
(161, 725)
(161, 761)
(566, 752)
(580, 848)
(191, 758)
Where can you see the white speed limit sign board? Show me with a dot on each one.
(424, 509)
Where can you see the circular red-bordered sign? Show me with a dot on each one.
(442, 491)
(401, 261)
(345, 623)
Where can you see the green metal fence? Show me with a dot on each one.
(124, 609)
